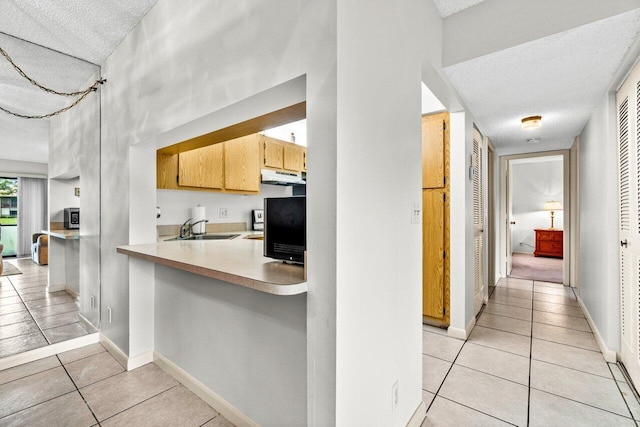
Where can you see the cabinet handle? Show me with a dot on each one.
(624, 243)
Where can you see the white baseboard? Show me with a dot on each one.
(140, 360)
(418, 416)
(462, 334)
(609, 355)
(50, 350)
(227, 410)
(71, 291)
(115, 351)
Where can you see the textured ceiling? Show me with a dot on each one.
(449, 7)
(560, 77)
(58, 44)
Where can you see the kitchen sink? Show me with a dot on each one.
(207, 237)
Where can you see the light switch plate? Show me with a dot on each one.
(416, 213)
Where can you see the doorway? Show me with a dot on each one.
(536, 216)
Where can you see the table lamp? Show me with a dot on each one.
(552, 206)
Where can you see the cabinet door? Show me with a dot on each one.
(293, 157)
(433, 156)
(167, 171)
(242, 164)
(202, 167)
(433, 242)
(273, 153)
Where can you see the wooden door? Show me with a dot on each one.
(433, 144)
(202, 167)
(293, 157)
(433, 246)
(273, 151)
(242, 164)
(435, 219)
(167, 171)
(628, 115)
(478, 223)
(508, 216)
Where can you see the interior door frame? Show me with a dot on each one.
(490, 221)
(505, 202)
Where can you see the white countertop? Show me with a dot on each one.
(239, 261)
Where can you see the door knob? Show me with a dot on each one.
(512, 223)
(624, 243)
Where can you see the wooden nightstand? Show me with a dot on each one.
(548, 243)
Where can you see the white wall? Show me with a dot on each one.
(62, 195)
(598, 172)
(176, 205)
(534, 182)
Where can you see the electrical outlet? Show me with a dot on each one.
(223, 212)
(109, 317)
(395, 395)
(415, 213)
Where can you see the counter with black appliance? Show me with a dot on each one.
(239, 261)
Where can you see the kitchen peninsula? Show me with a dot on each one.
(225, 317)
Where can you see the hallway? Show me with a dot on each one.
(531, 360)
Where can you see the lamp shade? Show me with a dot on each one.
(552, 205)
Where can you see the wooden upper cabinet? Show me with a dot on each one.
(273, 151)
(167, 171)
(434, 128)
(242, 163)
(294, 157)
(202, 167)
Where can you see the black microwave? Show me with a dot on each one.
(71, 218)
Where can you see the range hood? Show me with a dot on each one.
(282, 178)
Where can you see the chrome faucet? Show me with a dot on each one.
(198, 222)
(185, 229)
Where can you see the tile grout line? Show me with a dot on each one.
(78, 390)
(622, 394)
(30, 315)
(149, 398)
(37, 404)
(447, 374)
(582, 403)
(476, 410)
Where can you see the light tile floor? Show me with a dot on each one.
(531, 360)
(87, 387)
(31, 317)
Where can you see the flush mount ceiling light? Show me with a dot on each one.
(531, 123)
(533, 140)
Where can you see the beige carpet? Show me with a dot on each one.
(9, 269)
(542, 269)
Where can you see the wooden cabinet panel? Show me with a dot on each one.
(273, 153)
(433, 247)
(167, 171)
(202, 167)
(293, 157)
(433, 150)
(242, 164)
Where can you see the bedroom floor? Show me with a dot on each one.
(531, 360)
(543, 269)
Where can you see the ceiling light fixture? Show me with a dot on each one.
(531, 123)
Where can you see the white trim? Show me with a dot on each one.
(115, 351)
(139, 360)
(50, 350)
(462, 334)
(418, 416)
(71, 291)
(225, 408)
(609, 355)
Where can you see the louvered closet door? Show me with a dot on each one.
(478, 223)
(627, 104)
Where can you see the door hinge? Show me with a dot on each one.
(444, 197)
(444, 125)
(177, 179)
(444, 180)
(444, 254)
(444, 311)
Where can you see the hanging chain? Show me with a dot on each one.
(82, 94)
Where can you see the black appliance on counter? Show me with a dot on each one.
(71, 218)
(285, 228)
